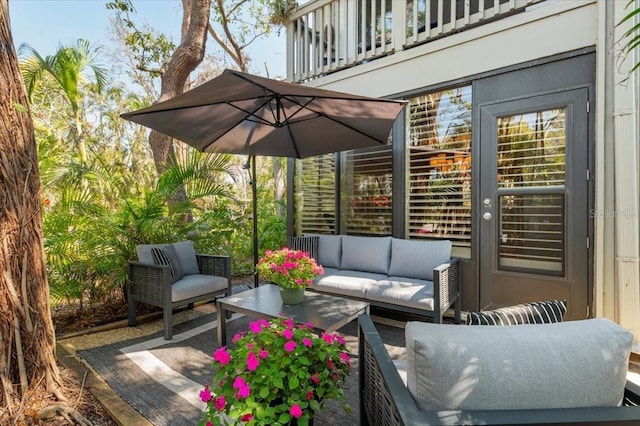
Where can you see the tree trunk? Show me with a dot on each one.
(27, 339)
(176, 71)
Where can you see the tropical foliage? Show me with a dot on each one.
(631, 37)
(100, 204)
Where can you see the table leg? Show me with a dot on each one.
(222, 324)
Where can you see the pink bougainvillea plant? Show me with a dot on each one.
(289, 268)
(276, 373)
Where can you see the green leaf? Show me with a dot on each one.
(304, 360)
(264, 392)
(277, 382)
(294, 382)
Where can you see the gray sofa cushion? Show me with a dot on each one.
(567, 364)
(346, 283)
(370, 254)
(418, 258)
(196, 285)
(187, 255)
(402, 291)
(329, 250)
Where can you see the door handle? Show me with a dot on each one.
(487, 216)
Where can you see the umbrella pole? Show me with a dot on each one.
(254, 190)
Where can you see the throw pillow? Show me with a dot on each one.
(187, 256)
(550, 311)
(167, 256)
(306, 244)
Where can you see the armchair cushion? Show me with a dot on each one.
(187, 256)
(195, 285)
(567, 364)
(167, 256)
(527, 313)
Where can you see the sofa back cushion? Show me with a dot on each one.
(329, 250)
(370, 254)
(560, 365)
(417, 258)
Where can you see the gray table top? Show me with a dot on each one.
(325, 312)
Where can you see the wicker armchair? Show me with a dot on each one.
(386, 401)
(152, 284)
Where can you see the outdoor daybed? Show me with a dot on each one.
(568, 372)
(173, 275)
(413, 276)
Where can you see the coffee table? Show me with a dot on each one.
(325, 312)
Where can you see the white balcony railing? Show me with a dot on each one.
(325, 36)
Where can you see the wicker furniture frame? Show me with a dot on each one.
(151, 284)
(386, 401)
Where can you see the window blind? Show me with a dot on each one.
(316, 192)
(439, 156)
(367, 192)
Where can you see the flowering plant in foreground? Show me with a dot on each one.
(277, 373)
(289, 268)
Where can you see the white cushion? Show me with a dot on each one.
(418, 258)
(187, 255)
(559, 365)
(346, 283)
(370, 254)
(402, 291)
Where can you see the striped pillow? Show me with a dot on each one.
(526, 313)
(306, 244)
(167, 256)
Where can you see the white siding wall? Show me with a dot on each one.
(521, 38)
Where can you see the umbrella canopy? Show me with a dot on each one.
(239, 113)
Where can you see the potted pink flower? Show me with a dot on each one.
(292, 270)
(277, 373)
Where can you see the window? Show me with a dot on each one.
(367, 194)
(439, 156)
(316, 195)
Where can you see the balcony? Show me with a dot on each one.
(325, 36)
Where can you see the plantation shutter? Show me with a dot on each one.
(439, 156)
(367, 195)
(531, 181)
(316, 204)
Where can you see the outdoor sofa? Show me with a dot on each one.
(173, 275)
(414, 276)
(572, 372)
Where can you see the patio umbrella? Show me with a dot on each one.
(240, 113)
